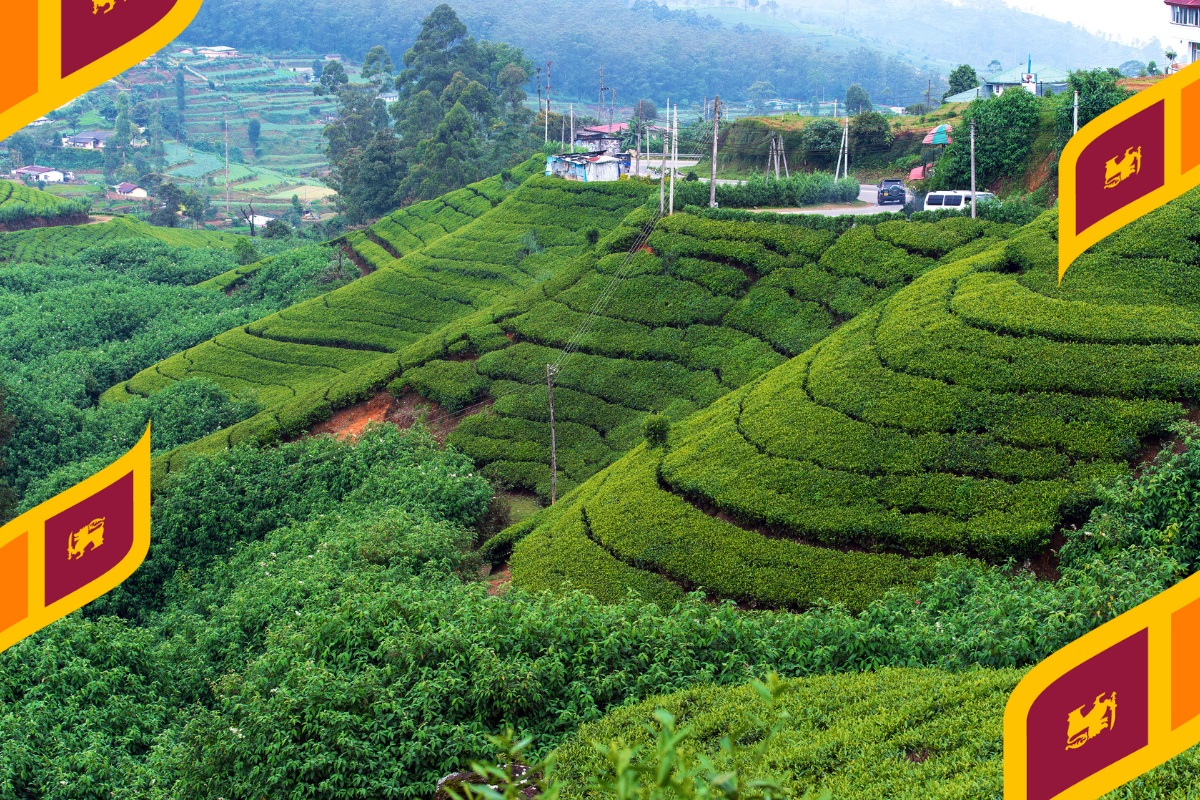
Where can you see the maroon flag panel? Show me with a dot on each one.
(1091, 717)
(89, 539)
(92, 29)
(1122, 165)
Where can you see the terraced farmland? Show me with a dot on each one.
(971, 412)
(44, 244)
(333, 350)
(708, 306)
(22, 206)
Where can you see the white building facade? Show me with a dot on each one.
(1183, 33)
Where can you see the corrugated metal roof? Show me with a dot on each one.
(1044, 73)
(1192, 3)
(967, 96)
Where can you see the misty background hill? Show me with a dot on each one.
(814, 48)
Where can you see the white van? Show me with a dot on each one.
(955, 200)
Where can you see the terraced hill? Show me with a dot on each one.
(969, 413)
(336, 349)
(44, 244)
(24, 207)
(707, 306)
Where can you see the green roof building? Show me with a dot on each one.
(1038, 79)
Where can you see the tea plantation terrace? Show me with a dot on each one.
(969, 414)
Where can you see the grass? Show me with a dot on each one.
(45, 244)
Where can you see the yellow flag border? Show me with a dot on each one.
(1168, 91)
(1163, 743)
(55, 91)
(137, 462)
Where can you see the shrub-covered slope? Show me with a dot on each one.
(970, 413)
(24, 207)
(403, 231)
(710, 304)
(48, 244)
(334, 349)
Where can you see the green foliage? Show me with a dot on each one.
(802, 189)
(655, 429)
(857, 99)
(1098, 92)
(972, 412)
(450, 384)
(22, 207)
(962, 78)
(1006, 128)
(916, 733)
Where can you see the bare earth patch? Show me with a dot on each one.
(403, 412)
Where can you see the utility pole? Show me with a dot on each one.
(600, 99)
(572, 127)
(637, 161)
(612, 108)
(674, 154)
(662, 170)
(1076, 115)
(973, 168)
(547, 123)
(783, 153)
(929, 96)
(551, 371)
(227, 207)
(712, 184)
(846, 145)
(539, 85)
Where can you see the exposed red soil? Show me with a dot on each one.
(349, 422)
(403, 412)
(363, 266)
(646, 249)
(1163, 442)
(499, 580)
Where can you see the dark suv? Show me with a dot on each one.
(891, 190)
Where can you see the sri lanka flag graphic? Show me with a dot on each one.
(66, 47)
(72, 549)
(1127, 162)
(1108, 707)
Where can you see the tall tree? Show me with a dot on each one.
(377, 66)
(333, 79)
(512, 81)
(253, 131)
(180, 90)
(429, 63)
(962, 78)
(857, 99)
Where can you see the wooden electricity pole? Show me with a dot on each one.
(662, 170)
(539, 85)
(712, 184)
(228, 212)
(551, 371)
(674, 154)
(547, 123)
(637, 161)
(972, 169)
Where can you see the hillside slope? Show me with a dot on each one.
(970, 413)
(24, 207)
(48, 244)
(335, 349)
(706, 306)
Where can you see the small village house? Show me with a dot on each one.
(130, 191)
(43, 174)
(1038, 79)
(218, 51)
(1183, 31)
(601, 138)
(87, 140)
(588, 167)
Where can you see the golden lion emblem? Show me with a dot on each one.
(89, 536)
(107, 5)
(1082, 729)
(1118, 170)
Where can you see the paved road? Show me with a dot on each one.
(866, 193)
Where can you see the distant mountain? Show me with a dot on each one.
(647, 50)
(943, 31)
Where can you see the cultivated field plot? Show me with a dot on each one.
(47, 244)
(970, 413)
(709, 306)
(20, 204)
(345, 342)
